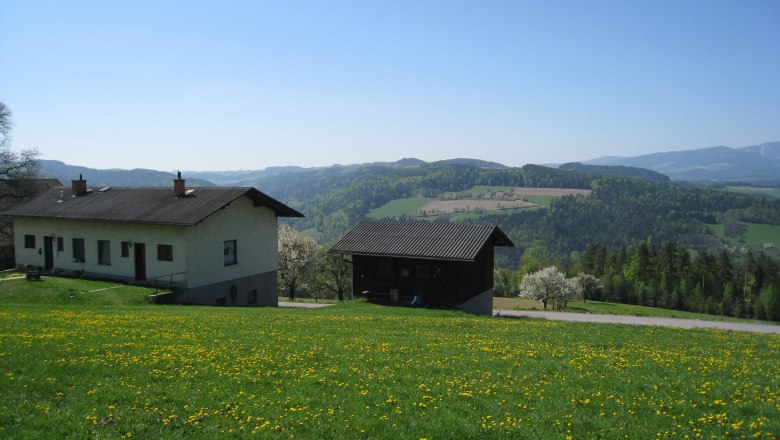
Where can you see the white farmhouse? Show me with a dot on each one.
(217, 245)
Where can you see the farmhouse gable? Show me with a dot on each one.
(215, 246)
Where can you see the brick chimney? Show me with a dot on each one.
(79, 187)
(179, 189)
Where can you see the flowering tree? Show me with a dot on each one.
(296, 253)
(588, 284)
(545, 285)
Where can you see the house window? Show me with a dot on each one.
(29, 241)
(423, 271)
(125, 249)
(165, 252)
(78, 250)
(252, 297)
(60, 244)
(104, 252)
(230, 253)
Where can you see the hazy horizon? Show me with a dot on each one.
(251, 85)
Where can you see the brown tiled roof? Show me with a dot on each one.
(141, 205)
(440, 241)
(13, 192)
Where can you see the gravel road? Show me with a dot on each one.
(640, 320)
(302, 305)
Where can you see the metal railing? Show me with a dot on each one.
(171, 281)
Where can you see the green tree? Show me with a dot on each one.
(770, 302)
(332, 275)
(502, 283)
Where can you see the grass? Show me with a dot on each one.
(608, 308)
(479, 189)
(541, 200)
(756, 234)
(10, 274)
(71, 291)
(361, 371)
(398, 207)
(773, 192)
(760, 234)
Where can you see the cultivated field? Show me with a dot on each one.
(756, 234)
(555, 192)
(438, 207)
(774, 192)
(472, 200)
(362, 371)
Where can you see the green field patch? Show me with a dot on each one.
(756, 235)
(761, 234)
(538, 199)
(480, 189)
(772, 192)
(399, 207)
(362, 371)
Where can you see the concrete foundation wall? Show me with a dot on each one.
(481, 304)
(237, 292)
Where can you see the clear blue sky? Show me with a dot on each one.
(228, 85)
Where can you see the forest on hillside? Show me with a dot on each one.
(620, 211)
(670, 277)
(650, 242)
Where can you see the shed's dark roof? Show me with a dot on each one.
(142, 205)
(439, 241)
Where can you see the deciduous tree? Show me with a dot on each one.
(545, 285)
(17, 172)
(296, 255)
(588, 284)
(333, 275)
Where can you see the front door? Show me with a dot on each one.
(140, 261)
(48, 253)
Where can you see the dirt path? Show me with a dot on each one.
(303, 305)
(640, 320)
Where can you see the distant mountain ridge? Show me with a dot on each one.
(615, 171)
(255, 177)
(759, 164)
(756, 164)
(138, 177)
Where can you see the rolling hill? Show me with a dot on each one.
(138, 177)
(625, 206)
(759, 164)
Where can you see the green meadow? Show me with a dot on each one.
(773, 192)
(357, 370)
(756, 234)
(399, 207)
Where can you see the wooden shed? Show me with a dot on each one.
(435, 264)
